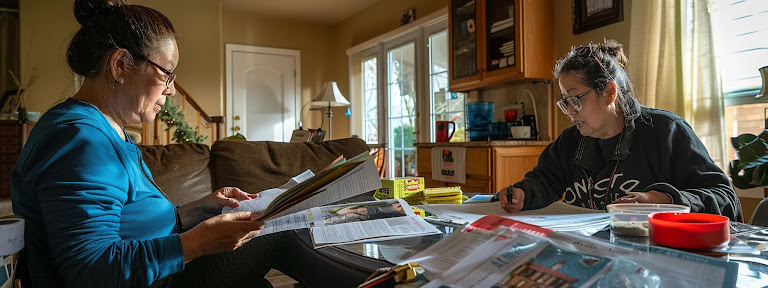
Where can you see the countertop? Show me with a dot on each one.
(494, 143)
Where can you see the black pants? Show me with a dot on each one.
(290, 252)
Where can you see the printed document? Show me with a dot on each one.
(557, 216)
(340, 180)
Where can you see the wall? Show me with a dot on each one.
(316, 43)
(47, 26)
(45, 30)
(376, 20)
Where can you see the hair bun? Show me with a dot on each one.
(616, 51)
(86, 9)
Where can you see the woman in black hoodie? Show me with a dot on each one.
(618, 151)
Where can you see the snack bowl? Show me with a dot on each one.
(631, 219)
(698, 231)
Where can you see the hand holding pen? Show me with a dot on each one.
(511, 199)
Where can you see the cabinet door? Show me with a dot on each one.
(511, 164)
(464, 31)
(502, 41)
(518, 40)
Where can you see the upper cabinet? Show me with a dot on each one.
(498, 41)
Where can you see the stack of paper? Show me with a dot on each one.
(496, 252)
(558, 216)
(444, 195)
(503, 24)
(508, 48)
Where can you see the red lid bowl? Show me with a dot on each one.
(697, 231)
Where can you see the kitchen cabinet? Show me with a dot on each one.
(489, 168)
(499, 41)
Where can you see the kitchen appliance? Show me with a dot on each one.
(479, 117)
(525, 128)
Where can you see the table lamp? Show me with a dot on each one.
(329, 97)
(764, 75)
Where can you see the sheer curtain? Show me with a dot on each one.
(701, 80)
(9, 49)
(673, 65)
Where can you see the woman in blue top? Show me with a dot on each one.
(94, 217)
(618, 151)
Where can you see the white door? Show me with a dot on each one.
(262, 92)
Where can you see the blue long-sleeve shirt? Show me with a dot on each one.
(93, 216)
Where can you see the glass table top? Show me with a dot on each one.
(748, 248)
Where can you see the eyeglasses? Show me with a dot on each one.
(167, 72)
(572, 100)
(170, 74)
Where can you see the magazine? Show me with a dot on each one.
(354, 222)
(496, 252)
(341, 179)
(510, 258)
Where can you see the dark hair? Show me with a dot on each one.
(597, 64)
(107, 25)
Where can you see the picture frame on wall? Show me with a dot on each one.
(591, 14)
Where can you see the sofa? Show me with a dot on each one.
(187, 172)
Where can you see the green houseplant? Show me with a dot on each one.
(750, 169)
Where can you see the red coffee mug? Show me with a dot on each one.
(441, 131)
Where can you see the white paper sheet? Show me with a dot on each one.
(558, 216)
(267, 196)
(293, 221)
(371, 230)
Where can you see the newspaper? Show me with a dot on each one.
(354, 222)
(494, 256)
(340, 180)
(366, 221)
(506, 258)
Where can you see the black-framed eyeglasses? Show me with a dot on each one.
(574, 101)
(167, 72)
(170, 74)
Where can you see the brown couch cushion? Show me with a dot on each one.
(181, 170)
(256, 166)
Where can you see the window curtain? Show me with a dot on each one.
(703, 94)
(673, 65)
(9, 50)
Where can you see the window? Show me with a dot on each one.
(741, 39)
(445, 106)
(401, 118)
(396, 80)
(370, 101)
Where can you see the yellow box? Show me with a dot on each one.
(408, 188)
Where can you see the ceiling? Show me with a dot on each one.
(314, 11)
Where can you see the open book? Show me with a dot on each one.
(343, 178)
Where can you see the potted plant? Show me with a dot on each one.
(750, 169)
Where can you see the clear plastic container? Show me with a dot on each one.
(631, 219)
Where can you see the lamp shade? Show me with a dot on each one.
(764, 75)
(330, 96)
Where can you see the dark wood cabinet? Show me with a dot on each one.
(499, 41)
(12, 138)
